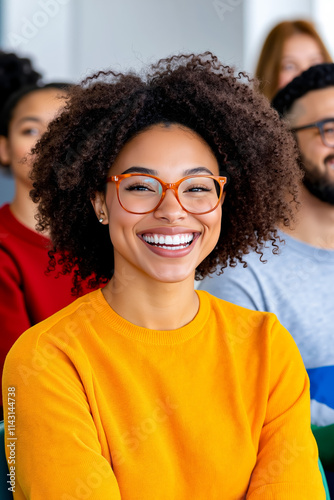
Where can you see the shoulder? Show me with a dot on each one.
(62, 330)
(5, 222)
(4, 210)
(255, 339)
(244, 322)
(249, 319)
(9, 261)
(247, 284)
(253, 264)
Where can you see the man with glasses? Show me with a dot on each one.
(298, 284)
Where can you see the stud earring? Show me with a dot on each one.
(101, 218)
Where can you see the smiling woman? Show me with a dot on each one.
(148, 389)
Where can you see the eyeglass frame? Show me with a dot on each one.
(168, 185)
(319, 125)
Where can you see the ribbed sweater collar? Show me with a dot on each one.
(155, 337)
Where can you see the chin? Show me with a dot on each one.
(173, 275)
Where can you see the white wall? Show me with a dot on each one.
(42, 30)
(323, 14)
(68, 39)
(132, 33)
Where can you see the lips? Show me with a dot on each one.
(169, 242)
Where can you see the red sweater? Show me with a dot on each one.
(27, 294)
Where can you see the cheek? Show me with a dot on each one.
(121, 224)
(22, 150)
(313, 150)
(213, 223)
(285, 77)
(21, 162)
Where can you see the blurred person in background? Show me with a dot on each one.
(27, 294)
(298, 284)
(15, 72)
(290, 48)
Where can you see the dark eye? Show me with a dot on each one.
(289, 66)
(31, 131)
(197, 189)
(329, 128)
(139, 187)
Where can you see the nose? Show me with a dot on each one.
(170, 209)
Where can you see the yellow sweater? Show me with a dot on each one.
(107, 410)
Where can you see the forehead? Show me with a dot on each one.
(39, 102)
(300, 44)
(161, 146)
(313, 106)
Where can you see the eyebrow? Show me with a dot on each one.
(28, 119)
(140, 170)
(149, 171)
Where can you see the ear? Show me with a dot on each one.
(4, 151)
(100, 208)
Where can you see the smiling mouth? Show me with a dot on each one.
(330, 162)
(169, 242)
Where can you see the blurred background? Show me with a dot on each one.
(69, 39)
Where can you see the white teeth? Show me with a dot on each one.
(175, 248)
(171, 240)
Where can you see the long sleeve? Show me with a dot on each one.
(14, 318)
(287, 448)
(69, 461)
(13, 313)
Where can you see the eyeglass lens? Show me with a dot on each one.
(142, 194)
(328, 133)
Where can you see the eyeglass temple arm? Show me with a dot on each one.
(303, 127)
(319, 124)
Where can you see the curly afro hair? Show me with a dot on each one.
(252, 145)
(315, 78)
(15, 72)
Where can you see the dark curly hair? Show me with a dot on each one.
(316, 77)
(252, 145)
(15, 72)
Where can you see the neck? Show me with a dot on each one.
(152, 304)
(314, 222)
